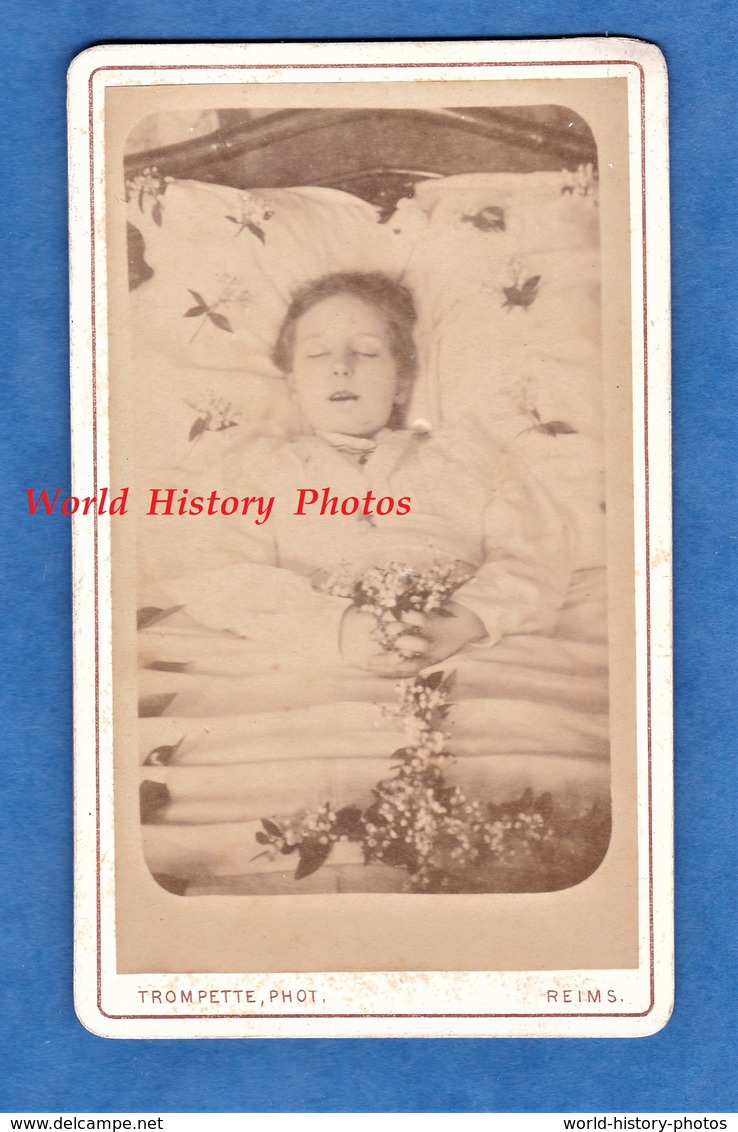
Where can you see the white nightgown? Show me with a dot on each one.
(268, 717)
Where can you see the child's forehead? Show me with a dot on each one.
(343, 311)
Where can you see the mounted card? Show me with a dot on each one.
(371, 521)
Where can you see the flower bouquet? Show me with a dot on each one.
(417, 819)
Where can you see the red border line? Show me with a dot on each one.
(374, 66)
(95, 535)
(363, 66)
(646, 486)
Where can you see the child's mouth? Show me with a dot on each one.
(343, 395)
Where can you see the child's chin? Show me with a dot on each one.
(352, 428)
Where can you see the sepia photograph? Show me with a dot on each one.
(368, 566)
(402, 481)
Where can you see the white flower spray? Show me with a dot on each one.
(416, 821)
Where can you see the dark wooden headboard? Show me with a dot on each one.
(378, 155)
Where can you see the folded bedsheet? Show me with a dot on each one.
(248, 737)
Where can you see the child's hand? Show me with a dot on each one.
(360, 648)
(447, 635)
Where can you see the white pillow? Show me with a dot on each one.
(225, 263)
(506, 274)
(504, 269)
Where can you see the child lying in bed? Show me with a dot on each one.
(290, 705)
(347, 351)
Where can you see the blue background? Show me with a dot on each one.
(50, 1063)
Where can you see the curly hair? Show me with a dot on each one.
(393, 301)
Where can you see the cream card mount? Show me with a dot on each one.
(371, 522)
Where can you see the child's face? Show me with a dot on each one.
(344, 377)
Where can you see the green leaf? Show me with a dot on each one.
(312, 855)
(348, 821)
(544, 805)
(162, 756)
(156, 214)
(433, 680)
(529, 287)
(489, 219)
(198, 298)
(399, 854)
(262, 838)
(271, 827)
(220, 321)
(258, 232)
(198, 428)
(554, 428)
(372, 814)
(522, 296)
(449, 681)
(194, 312)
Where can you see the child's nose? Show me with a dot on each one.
(341, 368)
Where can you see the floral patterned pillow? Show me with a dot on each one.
(212, 272)
(509, 328)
